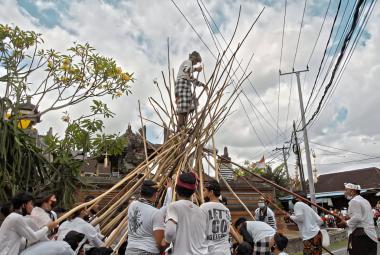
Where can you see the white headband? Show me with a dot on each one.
(352, 186)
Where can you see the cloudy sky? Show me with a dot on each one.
(345, 135)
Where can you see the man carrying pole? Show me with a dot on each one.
(184, 97)
(362, 233)
(308, 222)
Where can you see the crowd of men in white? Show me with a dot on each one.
(177, 228)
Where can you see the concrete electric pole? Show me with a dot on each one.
(306, 140)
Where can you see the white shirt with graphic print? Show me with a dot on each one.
(143, 219)
(218, 228)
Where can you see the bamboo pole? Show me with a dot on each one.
(237, 197)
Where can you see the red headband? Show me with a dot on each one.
(186, 185)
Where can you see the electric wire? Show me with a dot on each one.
(279, 68)
(299, 34)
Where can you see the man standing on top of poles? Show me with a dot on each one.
(184, 97)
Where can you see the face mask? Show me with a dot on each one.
(261, 205)
(348, 197)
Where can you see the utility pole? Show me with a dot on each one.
(285, 160)
(297, 151)
(306, 139)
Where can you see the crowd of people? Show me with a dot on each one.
(180, 227)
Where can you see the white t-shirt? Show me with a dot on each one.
(40, 217)
(80, 225)
(218, 228)
(360, 212)
(143, 219)
(185, 70)
(191, 228)
(259, 230)
(307, 220)
(49, 248)
(269, 218)
(13, 229)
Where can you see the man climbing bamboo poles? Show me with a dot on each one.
(184, 97)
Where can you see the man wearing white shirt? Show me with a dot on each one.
(361, 229)
(80, 225)
(185, 221)
(15, 226)
(264, 213)
(308, 222)
(146, 224)
(218, 220)
(42, 213)
(257, 233)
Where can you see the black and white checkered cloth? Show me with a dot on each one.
(262, 247)
(184, 96)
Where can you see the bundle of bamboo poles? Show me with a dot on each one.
(182, 150)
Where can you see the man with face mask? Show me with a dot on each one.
(362, 232)
(15, 226)
(218, 220)
(265, 214)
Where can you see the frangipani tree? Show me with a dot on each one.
(53, 81)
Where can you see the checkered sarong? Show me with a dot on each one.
(184, 96)
(262, 247)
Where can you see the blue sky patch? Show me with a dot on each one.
(48, 17)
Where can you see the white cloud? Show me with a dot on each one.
(135, 34)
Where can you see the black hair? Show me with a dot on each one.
(42, 198)
(123, 247)
(240, 221)
(183, 192)
(224, 200)
(99, 251)
(60, 210)
(213, 185)
(281, 241)
(148, 188)
(243, 230)
(20, 199)
(74, 238)
(5, 209)
(89, 198)
(188, 178)
(244, 249)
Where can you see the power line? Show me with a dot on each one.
(254, 109)
(345, 150)
(319, 33)
(204, 43)
(279, 76)
(334, 56)
(351, 52)
(349, 161)
(249, 81)
(340, 57)
(299, 34)
(324, 55)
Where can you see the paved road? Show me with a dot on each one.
(341, 251)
